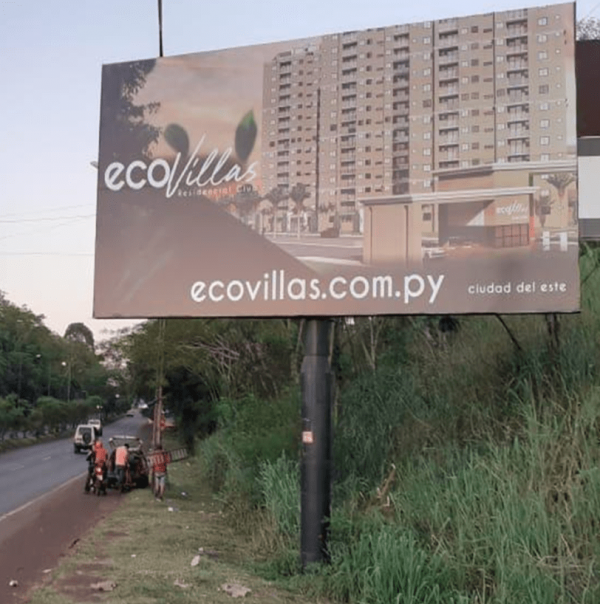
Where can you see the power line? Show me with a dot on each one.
(45, 211)
(21, 220)
(74, 254)
(48, 228)
(590, 12)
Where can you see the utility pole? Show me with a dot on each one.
(316, 464)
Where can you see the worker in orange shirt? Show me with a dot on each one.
(121, 460)
(98, 455)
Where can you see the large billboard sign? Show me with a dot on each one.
(422, 168)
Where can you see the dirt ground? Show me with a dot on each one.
(34, 539)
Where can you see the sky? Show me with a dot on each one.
(51, 55)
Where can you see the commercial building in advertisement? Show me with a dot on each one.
(399, 114)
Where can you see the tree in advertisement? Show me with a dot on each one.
(123, 119)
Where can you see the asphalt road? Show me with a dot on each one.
(32, 471)
(327, 250)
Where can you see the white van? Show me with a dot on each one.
(84, 438)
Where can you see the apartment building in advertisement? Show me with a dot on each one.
(409, 116)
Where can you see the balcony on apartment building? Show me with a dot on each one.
(518, 95)
(401, 68)
(448, 163)
(448, 140)
(347, 142)
(400, 162)
(516, 16)
(348, 86)
(518, 157)
(448, 126)
(515, 30)
(350, 40)
(517, 49)
(349, 73)
(516, 80)
(284, 87)
(448, 74)
(401, 80)
(399, 94)
(283, 153)
(449, 103)
(448, 149)
(400, 135)
(517, 132)
(448, 26)
(518, 112)
(518, 148)
(517, 118)
(517, 65)
(448, 40)
(448, 90)
(401, 53)
(400, 149)
(447, 57)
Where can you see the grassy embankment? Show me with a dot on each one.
(465, 472)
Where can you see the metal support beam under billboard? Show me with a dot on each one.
(316, 466)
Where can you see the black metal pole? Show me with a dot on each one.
(316, 465)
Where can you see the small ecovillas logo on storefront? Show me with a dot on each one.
(211, 170)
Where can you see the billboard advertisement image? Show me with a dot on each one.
(409, 169)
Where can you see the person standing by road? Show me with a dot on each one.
(121, 460)
(160, 459)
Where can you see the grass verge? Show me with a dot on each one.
(146, 549)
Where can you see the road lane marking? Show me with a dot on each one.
(47, 458)
(39, 497)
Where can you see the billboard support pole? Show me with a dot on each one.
(316, 462)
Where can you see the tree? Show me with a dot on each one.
(78, 332)
(588, 29)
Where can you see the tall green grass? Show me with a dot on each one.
(492, 452)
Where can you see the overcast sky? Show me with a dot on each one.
(51, 54)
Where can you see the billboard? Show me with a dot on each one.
(587, 61)
(420, 168)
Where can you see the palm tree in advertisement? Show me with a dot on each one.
(298, 194)
(561, 181)
(277, 197)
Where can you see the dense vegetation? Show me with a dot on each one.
(49, 382)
